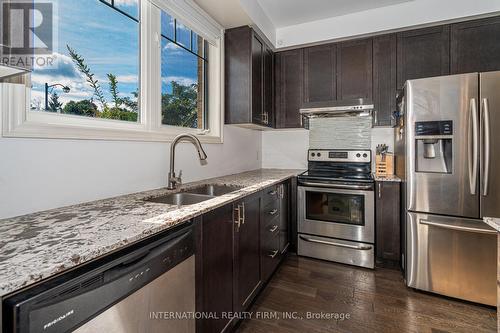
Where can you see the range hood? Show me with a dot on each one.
(344, 108)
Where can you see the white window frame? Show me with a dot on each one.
(19, 121)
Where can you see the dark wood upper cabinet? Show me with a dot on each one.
(289, 83)
(387, 222)
(268, 112)
(475, 46)
(246, 278)
(320, 74)
(423, 53)
(215, 268)
(257, 100)
(384, 79)
(354, 69)
(245, 77)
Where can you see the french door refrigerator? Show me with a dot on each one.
(448, 155)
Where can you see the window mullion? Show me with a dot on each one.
(151, 66)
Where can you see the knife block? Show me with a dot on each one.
(384, 165)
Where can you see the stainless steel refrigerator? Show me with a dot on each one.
(448, 155)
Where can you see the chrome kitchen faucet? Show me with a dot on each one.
(173, 180)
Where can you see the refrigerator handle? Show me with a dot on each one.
(473, 146)
(486, 145)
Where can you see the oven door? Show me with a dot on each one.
(338, 213)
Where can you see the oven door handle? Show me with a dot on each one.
(339, 186)
(354, 247)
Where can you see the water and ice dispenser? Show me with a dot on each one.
(433, 146)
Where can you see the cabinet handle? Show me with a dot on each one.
(273, 229)
(238, 217)
(243, 213)
(273, 192)
(273, 254)
(265, 118)
(379, 190)
(273, 212)
(376, 117)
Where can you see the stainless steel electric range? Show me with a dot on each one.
(336, 207)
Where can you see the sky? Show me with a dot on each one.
(109, 43)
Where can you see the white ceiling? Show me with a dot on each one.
(227, 13)
(290, 12)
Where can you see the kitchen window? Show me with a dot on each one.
(126, 70)
(184, 58)
(88, 78)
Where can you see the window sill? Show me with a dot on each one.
(19, 123)
(51, 131)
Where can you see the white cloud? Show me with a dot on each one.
(127, 78)
(186, 81)
(126, 2)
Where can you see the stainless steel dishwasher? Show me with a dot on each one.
(150, 288)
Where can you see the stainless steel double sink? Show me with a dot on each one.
(194, 195)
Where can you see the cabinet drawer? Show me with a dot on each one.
(270, 195)
(270, 212)
(272, 228)
(270, 253)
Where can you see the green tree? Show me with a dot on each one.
(128, 112)
(113, 89)
(81, 108)
(54, 104)
(180, 107)
(94, 83)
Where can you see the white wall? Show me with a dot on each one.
(413, 13)
(285, 149)
(40, 174)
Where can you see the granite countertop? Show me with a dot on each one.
(36, 246)
(388, 178)
(493, 222)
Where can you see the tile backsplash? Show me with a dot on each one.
(340, 133)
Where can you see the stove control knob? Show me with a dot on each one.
(365, 155)
(358, 155)
(313, 154)
(319, 154)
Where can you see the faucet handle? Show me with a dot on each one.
(180, 175)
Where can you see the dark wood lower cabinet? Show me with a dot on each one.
(387, 223)
(246, 250)
(215, 267)
(238, 247)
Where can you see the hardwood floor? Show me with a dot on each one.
(376, 301)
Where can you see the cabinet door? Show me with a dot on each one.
(320, 74)
(238, 75)
(246, 261)
(354, 69)
(215, 271)
(268, 87)
(289, 83)
(384, 79)
(257, 80)
(284, 217)
(475, 46)
(387, 221)
(423, 53)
